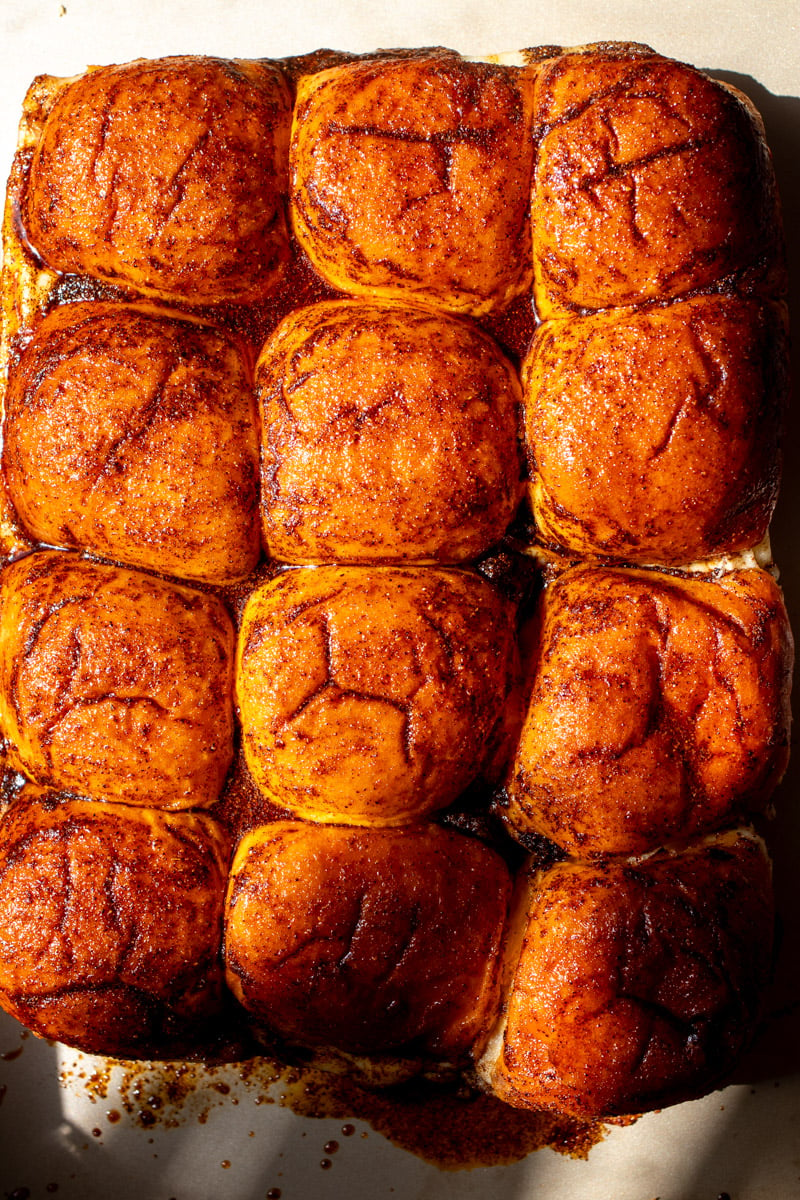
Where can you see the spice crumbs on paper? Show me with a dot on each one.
(442, 1124)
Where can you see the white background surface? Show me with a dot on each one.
(744, 1141)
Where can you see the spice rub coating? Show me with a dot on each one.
(115, 684)
(653, 434)
(411, 177)
(111, 923)
(367, 940)
(374, 695)
(168, 175)
(131, 433)
(659, 708)
(389, 433)
(651, 180)
(638, 982)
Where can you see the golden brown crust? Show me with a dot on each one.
(168, 175)
(112, 920)
(659, 709)
(411, 178)
(638, 983)
(114, 684)
(131, 433)
(373, 695)
(651, 180)
(367, 939)
(389, 433)
(653, 434)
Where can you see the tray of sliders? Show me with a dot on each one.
(392, 663)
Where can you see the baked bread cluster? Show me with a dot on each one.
(392, 441)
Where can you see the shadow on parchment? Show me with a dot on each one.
(777, 1051)
(734, 1158)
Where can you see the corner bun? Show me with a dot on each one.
(112, 919)
(167, 175)
(639, 983)
(652, 180)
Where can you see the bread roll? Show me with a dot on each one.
(111, 923)
(114, 684)
(367, 939)
(167, 175)
(638, 982)
(131, 433)
(389, 434)
(659, 709)
(373, 695)
(651, 180)
(410, 177)
(653, 432)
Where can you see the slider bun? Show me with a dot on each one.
(167, 175)
(411, 178)
(653, 433)
(659, 709)
(651, 180)
(638, 982)
(111, 924)
(131, 433)
(367, 940)
(373, 695)
(114, 684)
(390, 433)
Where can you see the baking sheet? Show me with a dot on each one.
(57, 1139)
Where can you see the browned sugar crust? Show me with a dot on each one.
(651, 180)
(388, 433)
(131, 433)
(112, 920)
(374, 695)
(416, 181)
(653, 433)
(411, 178)
(168, 175)
(367, 940)
(638, 984)
(115, 684)
(659, 709)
